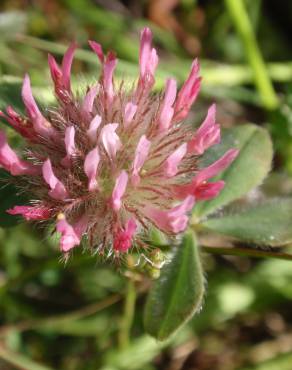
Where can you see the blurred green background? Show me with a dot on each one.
(67, 317)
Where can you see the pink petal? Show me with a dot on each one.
(90, 168)
(69, 145)
(167, 111)
(40, 124)
(97, 48)
(207, 135)
(184, 207)
(130, 111)
(188, 93)
(119, 190)
(153, 61)
(58, 190)
(145, 49)
(89, 99)
(61, 76)
(199, 187)
(174, 220)
(69, 238)
(177, 216)
(141, 155)
(55, 70)
(70, 235)
(209, 190)
(123, 238)
(66, 66)
(28, 99)
(81, 225)
(216, 167)
(31, 213)
(70, 140)
(12, 163)
(170, 165)
(109, 65)
(110, 139)
(19, 123)
(209, 121)
(203, 191)
(93, 127)
(13, 120)
(92, 131)
(57, 77)
(108, 71)
(148, 56)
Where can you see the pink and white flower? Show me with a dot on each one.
(112, 163)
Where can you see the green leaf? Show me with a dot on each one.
(10, 89)
(280, 362)
(178, 293)
(136, 356)
(248, 169)
(269, 223)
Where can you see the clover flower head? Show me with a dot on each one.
(111, 164)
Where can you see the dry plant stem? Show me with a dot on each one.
(128, 315)
(246, 252)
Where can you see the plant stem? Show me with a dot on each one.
(56, 320)
(213, 73)
(128, 315)
(239, 15)
(20, 361)
(246, 252)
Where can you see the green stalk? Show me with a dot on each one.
(20, 361)
(128, 315)
(246, 252)
(239, 15)
(213, 73)
(56, 321)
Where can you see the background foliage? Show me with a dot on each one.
(74, 316)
